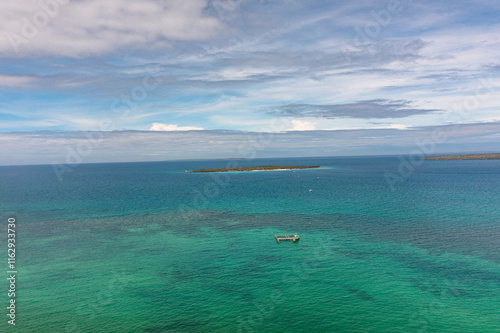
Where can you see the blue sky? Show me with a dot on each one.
(153, 78)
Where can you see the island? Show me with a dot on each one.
(465, 157)
(258, 168)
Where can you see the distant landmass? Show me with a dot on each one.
(258, 168)
(465, 157)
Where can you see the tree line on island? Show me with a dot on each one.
(258, 168)
(465, 157)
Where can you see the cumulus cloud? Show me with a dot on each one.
(398, 126)
(173, 128)
(300, 125)
(378, 108)
(92, 27)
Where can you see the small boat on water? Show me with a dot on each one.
(294, 238)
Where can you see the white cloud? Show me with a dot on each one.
(92, 27)
(302, 125)
(173, 128)
(120, 146)
(79, 122)
(398, 126)
(258, 63)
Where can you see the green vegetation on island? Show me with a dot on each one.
(259, 168)
(465, 157)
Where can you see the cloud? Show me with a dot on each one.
(92, 27)
(398, 126)
(45, 147)
(224, 63)
(300, 125)
(173, 128)
(15, 81)
(378, 108)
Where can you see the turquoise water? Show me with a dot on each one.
(146, 247)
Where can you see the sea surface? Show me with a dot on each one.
(147, 247)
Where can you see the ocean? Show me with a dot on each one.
(385, 246)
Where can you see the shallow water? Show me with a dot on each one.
(146, 247)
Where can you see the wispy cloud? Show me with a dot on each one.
(238, 65)
(25, 147)
(362, 109)
(15, 81)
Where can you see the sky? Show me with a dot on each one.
(119, 80)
